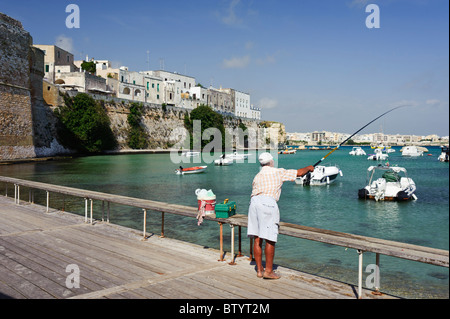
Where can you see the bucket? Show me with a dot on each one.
(206, 198)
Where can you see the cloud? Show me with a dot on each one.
(231, 18)
(266, 60)
(267, 103)
(236, 62)
(433, 102)
(65, 43)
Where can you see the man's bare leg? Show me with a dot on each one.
(270, 254)
(257, 250)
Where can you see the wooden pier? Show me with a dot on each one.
(43, 251)
(39, 252)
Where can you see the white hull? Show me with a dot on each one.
(412, 151)
(236, 156)
(322, 175)
(357, 151)
(223, 162)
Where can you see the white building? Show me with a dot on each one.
(199, 95)
(255, 112)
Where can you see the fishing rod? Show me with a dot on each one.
(307, 179)
(337, 147)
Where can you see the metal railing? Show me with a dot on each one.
(360, 243)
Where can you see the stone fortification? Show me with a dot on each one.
(16, 127)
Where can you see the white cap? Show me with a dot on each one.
(265, 158)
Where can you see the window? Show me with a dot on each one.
(68, 58)
(157, 96)
(153, 85)
(157, 88)
(148, 85)
(47, 68)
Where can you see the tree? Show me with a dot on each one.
(89, 67)
(208, 118)
(85, 125)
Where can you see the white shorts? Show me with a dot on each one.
(263, 218)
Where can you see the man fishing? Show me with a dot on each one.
(263, 214)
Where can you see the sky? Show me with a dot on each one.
(313, 65)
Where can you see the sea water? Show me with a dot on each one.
(335, 207)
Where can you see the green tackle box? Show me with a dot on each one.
(226, 209)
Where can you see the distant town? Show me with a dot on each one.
(332, 138)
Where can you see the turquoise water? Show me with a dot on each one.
(336, 207)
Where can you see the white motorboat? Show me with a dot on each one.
(378, 156)
(223, 161)
(444, 157)
(413, 151)
(191, 154)
(322, 175)
(357, 151)
(389, 186)
(236, 156)
(190, 170)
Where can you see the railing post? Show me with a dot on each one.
(85, 210)
(221, 242)
(103, 210)
(240, 248)
(91, 209)
(232, 246)
(377, 275)
(145, 224)
(48, 200)
(360, 271)
(162, 225)
(107, 216)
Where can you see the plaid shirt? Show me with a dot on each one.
(269, 180)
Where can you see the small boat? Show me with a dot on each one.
(378, 156)
(390, 186)
(444, 154)
(190, 170)
(413, 151)
(191, 154)
(236, 156)
(322, 175)
(357, 151)
(287, 151)
(223, 161)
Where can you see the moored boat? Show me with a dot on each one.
(378, 156)
(287, 151)
(444, 157)
(357, 151)
(413, 151)
(191, 154)
(223, 161)
(236, 156)
(390, 186)
(190, 170)
(322, 175)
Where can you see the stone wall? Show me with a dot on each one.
(16, 124)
